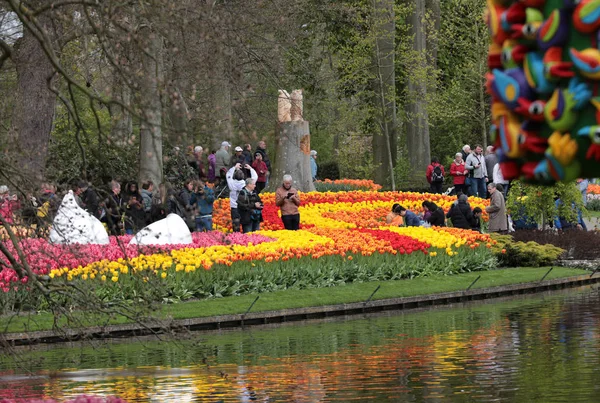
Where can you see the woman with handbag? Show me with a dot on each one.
(459, 173)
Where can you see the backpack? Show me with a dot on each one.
(437, 175)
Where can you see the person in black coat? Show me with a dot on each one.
(135, 216)
(460, 213)
(436, 218)
(89, 198)
(250, 207)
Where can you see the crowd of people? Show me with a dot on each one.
(460, 214)
(125, 207)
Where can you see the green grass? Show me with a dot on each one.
(308, 298)
(595, 214)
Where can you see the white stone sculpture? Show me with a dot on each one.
(74, 225)
(296, 107)
(171, 230)
(284, 104)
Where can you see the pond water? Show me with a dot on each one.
(539, 348)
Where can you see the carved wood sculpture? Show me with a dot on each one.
(293, 143)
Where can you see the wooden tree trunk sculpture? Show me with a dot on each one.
(293, 144)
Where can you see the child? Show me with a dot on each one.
(476, 221)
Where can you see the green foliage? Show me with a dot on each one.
(89, 154)
(530, 254)
(329, 170)
(459, 108)
(409, 180)
(535, 202)
(176, 169)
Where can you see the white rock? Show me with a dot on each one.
(74, 225)
(171, 230)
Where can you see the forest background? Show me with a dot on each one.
(106, 89)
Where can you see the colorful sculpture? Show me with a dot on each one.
(544, 64)
(586, 17)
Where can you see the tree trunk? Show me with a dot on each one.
(178, 111)
(220, 108)
(151, 163)
(122, 124)
(293, 156)
(33, 115)
(384, 87)
(417, 125)
(433, 32)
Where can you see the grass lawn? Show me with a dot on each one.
(595, 214)
(306, 298)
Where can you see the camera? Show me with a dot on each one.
(290, 194)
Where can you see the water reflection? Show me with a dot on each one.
(540, 348)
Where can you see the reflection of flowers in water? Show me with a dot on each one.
(77, 399)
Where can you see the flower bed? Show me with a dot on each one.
(343, 238)
(593, 189)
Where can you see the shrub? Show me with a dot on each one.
(329, 170)
(593, 205)
(511, 253)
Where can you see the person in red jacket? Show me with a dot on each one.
(459, 173)
(435, 175)
(261, 170)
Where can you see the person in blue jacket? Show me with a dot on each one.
(204, 197)
(410, 218)
(561, 223)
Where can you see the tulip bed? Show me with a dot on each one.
(343, 239)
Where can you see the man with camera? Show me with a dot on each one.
(287, 199)
(204, 197)
(236, 182)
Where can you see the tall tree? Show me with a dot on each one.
(35, 101)
(151, 158)
(384, 90)
(417, 118)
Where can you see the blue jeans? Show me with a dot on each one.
(251, 226)
(478, 187)
(204, 223)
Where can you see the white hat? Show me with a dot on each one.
(225, 144)
(3, 189)
(238, 148)
(313, 152)
(198, 149)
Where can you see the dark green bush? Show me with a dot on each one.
(329, 170)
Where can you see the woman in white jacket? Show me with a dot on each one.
(498, 178)
(236, 181)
